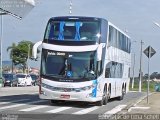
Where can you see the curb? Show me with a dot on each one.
(142, 98)
(133, 104)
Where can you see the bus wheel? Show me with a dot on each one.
(53, 102)
(123, 93)
(104, 98)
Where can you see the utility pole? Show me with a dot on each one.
(28, 58)
(133, 70)
(134, 59)
(1, 37)
(140, 70)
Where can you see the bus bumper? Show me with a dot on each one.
(85, 96)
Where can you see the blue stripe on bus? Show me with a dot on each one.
(94, 91)
(61, 29)
(77, 36)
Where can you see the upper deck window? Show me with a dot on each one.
(73, 31)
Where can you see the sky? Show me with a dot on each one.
(133, 16)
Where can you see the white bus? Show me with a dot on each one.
(83, 59)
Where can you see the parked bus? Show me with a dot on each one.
(83, 59)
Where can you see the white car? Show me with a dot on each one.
(24, 79)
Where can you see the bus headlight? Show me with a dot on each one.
(82, 88)
(86, 88)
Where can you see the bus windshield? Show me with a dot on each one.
(73, 30)
(70, 65)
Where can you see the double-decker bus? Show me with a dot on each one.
(83, 59)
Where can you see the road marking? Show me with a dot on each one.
(34, 93)
(143, 108)
(85, 111)
(2, 103)
(115, 110)
(132, 91)
(18, 105)
(58, 109)
(33, 108)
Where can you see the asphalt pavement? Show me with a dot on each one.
(20, 103)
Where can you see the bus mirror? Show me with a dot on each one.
(99, 52)
(34, 50)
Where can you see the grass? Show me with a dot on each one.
(144, 86)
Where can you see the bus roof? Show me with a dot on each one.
(75, 18)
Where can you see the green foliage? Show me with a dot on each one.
(144, 86)
(19, 53)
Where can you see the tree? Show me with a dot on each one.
(20, 53)
(145, 76)
(153, 75)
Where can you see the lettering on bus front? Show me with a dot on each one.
(57, 53)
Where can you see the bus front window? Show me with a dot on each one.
(69, 65)
(73, 30)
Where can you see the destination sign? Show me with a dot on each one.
(56, 53)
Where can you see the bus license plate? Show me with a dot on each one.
(65, 96)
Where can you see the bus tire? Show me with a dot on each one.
(125, 90)
(123, 93)
(52, 102)
(104, 98)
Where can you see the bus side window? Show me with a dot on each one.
(99, 68)
(107, 70)
(107, 73)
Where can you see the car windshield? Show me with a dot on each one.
(69, 65)
(8, 76)
(34, 77)
(21, 76)
(73, 30)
